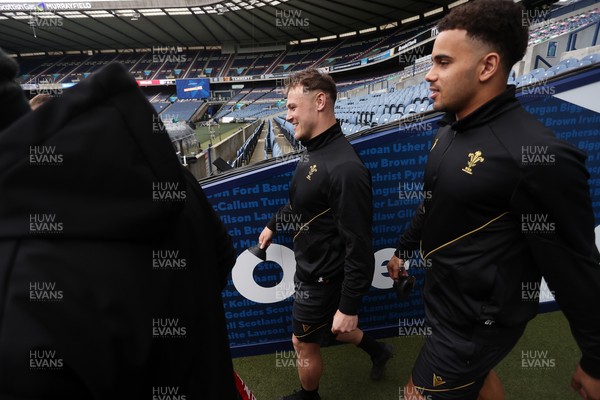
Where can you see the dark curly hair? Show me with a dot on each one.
(312, 79)
(498, 23)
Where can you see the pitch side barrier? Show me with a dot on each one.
(258, 296)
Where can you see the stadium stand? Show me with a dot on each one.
(244, 153)
(365, 101)
(183, 110)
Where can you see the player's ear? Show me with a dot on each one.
(489, 66)
(321, 100)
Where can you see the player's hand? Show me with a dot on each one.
(265, 238)
(396, 268)
(343, 323)
(586, 386)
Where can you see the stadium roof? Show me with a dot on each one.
(53, 26)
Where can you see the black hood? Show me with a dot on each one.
(13, 103)
(60, 164)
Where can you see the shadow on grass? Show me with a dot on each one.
(539, 367)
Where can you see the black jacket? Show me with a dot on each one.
(112, 260)
(330, 213)
(509, 203)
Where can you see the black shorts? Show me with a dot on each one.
(315, 305)
(451, 367)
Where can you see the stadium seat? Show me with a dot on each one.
(410, 109)
(511, 77)
(396, 117)
(592, 58)
(570, 62)
(536, 75)
(558, 69)
(523, 80)
(422, 107)
(345, 128)
(548, 74)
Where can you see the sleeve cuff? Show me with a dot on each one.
(590, 366)
(272, 225)
(349, 306)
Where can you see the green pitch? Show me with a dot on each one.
(539, 367)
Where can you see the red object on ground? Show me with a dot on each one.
(242, 388)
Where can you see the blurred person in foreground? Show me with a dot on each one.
(475, 227)
(330, 212)
(112, 260)
(13, 103)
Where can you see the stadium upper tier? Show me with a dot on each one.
(173, 62)
(177, 63)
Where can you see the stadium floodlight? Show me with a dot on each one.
(221, 9)
(178, 11)
(433, 12)
(411, 19)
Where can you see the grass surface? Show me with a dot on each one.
(346, 374)
(222, 132)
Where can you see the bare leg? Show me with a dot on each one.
(353, 337)
(411, 392)
(492, 388)
(310, 363)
